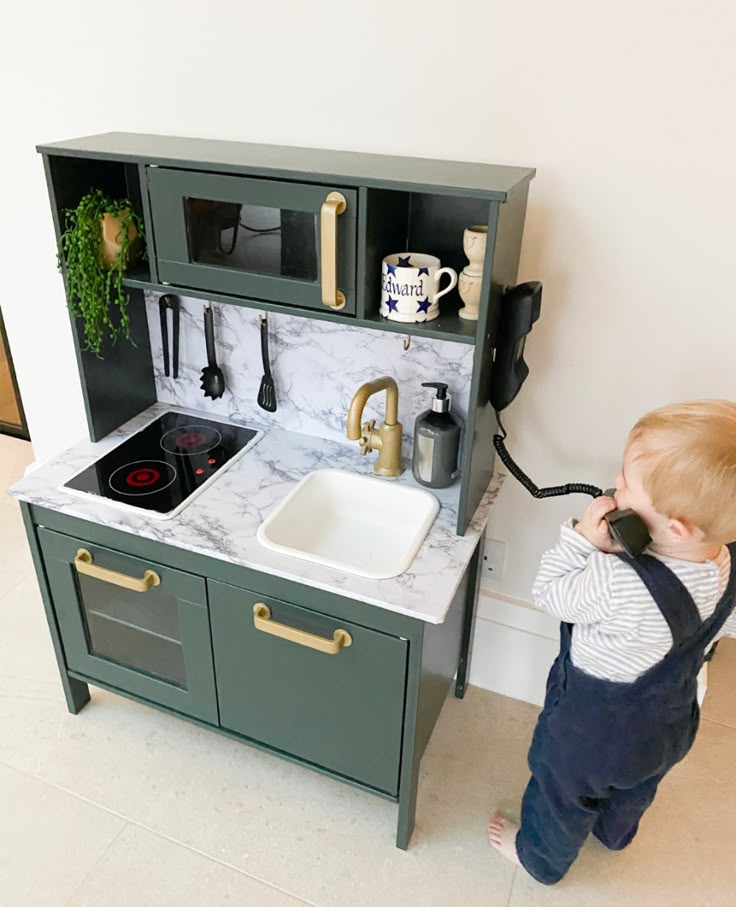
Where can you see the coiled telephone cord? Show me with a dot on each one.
(553, 491)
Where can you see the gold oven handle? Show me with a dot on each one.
(83, 563)
(262, 620)
(333, 205)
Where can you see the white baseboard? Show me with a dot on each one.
(514, 646)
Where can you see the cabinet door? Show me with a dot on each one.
(253, 237)
(341, 711)
(120, 626)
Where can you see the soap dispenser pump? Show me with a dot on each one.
(437, 434)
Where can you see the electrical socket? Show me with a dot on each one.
(494, 556)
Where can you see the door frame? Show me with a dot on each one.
(10, 428)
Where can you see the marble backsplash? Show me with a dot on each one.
(317, 367)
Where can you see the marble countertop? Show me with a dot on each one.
(223, 520)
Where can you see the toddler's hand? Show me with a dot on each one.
(594, 527)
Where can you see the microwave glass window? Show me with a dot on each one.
(271, 241)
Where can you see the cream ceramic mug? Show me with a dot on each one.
(410, 284)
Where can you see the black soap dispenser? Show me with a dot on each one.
(437, 434)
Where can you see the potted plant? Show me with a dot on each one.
(102, 237)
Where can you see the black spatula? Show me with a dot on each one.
(267, 390)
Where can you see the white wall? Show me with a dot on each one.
(626, 110)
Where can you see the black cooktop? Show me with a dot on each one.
(161, 467)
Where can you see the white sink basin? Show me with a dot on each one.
(359, 524)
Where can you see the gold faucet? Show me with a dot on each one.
(387, 440)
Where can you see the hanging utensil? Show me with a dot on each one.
(166, 302)
(267, 390)
(213, 381)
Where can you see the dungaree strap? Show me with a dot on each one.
(725, 606)
(670, 595)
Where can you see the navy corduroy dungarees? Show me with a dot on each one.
(600, 747)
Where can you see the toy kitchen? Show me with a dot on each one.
(276, 526)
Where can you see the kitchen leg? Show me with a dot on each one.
(411, 753)
(75, 691)
(471, 602)
(407, 804)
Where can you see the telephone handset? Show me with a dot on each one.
(520, 309)
(627, 528)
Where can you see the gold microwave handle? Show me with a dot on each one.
(262, 621)
(333, 205)
(83, 563)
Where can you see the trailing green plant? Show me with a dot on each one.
(92, 285)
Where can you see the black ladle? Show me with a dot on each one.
(213, 381)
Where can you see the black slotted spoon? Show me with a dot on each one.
(213, 381)
(267, 390)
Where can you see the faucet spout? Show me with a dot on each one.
(387, 440)
(355, 414)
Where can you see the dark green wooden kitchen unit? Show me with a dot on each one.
(175, 629)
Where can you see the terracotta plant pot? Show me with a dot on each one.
(112, 228)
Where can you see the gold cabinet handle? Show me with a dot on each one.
(333, 205)
(83, 563)
(341, 639)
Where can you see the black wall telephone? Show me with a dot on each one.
(520, 308)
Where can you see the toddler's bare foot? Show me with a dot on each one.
(502, 835)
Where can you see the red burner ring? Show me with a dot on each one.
(190, 439)
(140, 478)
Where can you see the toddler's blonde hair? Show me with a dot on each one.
(690, 449)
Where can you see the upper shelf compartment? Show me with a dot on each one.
(70, 178)
(417, 222)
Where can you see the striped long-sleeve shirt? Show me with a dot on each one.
(619, 631)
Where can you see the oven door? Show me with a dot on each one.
(133, 624)
(292, 243)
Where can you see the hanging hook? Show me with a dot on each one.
(407, 343)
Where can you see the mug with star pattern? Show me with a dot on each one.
(410, 286)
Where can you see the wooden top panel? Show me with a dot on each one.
(490, 181)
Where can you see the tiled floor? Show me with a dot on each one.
(122, 805)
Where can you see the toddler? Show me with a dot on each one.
(621, 706)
